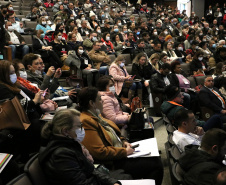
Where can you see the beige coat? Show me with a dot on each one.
(98, 57)
(118, 75)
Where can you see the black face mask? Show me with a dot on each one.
(4, 11)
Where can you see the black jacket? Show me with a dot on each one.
(157, 83)
(199, 166)
(142, 73)
(210, 100)
(63, 162)
(195, 65)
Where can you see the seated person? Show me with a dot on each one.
(129, 42)
(107, 43)
(174, 104)
(142, 71)
(88, 42)
(100, 58)
(33, 15)
(18, 26)
(193, 49)
(32, 63)
(84, 30)
(64, 151)
(179, 51)
(200, 164)
(140, 47)
(72, 41)
(15, 40)
(105, 143)
(42, 24)
(88, 71)
(188, 132)
(111, 107)
(42, 47)
(211, 97)
(119, 73)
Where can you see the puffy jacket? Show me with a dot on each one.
(111, 108)
(63, 162)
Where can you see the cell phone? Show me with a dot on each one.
(44, 93)
(133, 77)
(134, 146)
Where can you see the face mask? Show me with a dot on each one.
(200, 34)
(4, 11)
(72, 18)
(10, 28)
(196, 47)
(107, 38)
(112, 89)
(94, 39)
(94, 10)
(103, 16)
(214, 46)
(13, 78)
(83, 18)
(166, 32)
(125, 31)
(60, 3)
(44, 22)
(46, 17)
(98, 31)
(180, 48)
(122, 64)
(80, 134)
(37, 72)
(113, 10)
(200, 58)
(80, 51)
(63, 38)
(23, 74)
(204, 40)
(124, 14)
(59, 37)
(119, 24)
(138, 33)
(116, 30)
(224, 46)
(11, 8)
(155, 33)
(106, 9)
(42, 35)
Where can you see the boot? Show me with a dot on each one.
(139, 94)
(131, 95)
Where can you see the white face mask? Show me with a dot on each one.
(196, 47)
(106, 9)
(83, 18)
(107, 38)
(94, 39)
(23, 74)
(80, 134)
(200, 58)
(13, 78)
(122, 64)
(119, 24)
(72, 18)
(112, 89)
(11, 8)
(80, 51)
(46, 17)
(44, 22)
(113, 10)
(59, 37)
(98, 31)
(155, 33)
(180, 48)
(166, 32)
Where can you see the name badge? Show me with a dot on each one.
(86, 62)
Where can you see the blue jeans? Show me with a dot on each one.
(103, 70)
(136, 85)
(187, 100)
(214, 122)
(22, 48)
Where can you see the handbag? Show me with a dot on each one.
(136, 103)
(137, 120)
(12, 115)
(74, 81)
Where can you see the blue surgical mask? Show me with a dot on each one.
(80, 134)
(42, 35)
(103, 16)
(125, 31)
(116, 30)
(214, 46)
(112, 89)
(13, 78)
(138, 33)
(224, 46)
(122, 64)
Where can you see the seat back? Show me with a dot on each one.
(157, 100)
(175, 152)
(34, 171)
(206, 113)
(178, 172)
(31, 24)
(192, 81)
(200, 80)
(170, 128)
(129, 69)
(112, 57)
(127, 58)
(20, 180)
(186, 68)
(170, 140)
(28, 39)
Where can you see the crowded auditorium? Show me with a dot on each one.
(112, 92)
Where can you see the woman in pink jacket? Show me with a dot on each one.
(119, 73)
(111, 107)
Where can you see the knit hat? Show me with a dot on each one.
(172, 92)
(92, 14)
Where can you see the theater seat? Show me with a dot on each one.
(192, 81)
(20, 180)
(200, 80)
(206, 113)
(7, 53)
(129, 69)
(127, 59)
(186, 68)
(30, 24)
(34, 171)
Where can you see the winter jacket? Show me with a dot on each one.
(118, 75)
(199, 166)
(63, 162)
(98, 58)
(142, 73)
(111, 108)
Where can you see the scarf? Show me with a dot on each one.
(43, 43)
(26, 84)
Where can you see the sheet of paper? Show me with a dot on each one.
(47, 117)
(138, 182)
(61, 98)
(148, 145)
